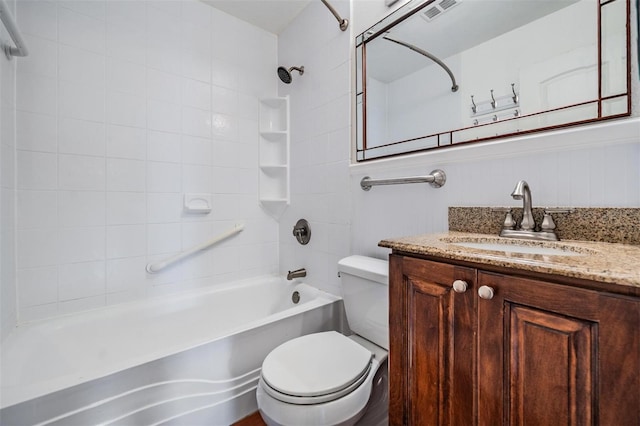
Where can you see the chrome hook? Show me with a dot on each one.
(474, 107)
(494, 104)
(515, 96)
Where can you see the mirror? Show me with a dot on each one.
(440, 73)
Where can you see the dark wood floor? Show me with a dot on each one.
(251, 420)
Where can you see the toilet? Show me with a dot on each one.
(327, 378)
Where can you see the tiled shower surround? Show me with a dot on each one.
(122, 107)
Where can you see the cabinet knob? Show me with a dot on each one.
(460, 286)
(485, 292)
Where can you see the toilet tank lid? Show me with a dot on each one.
(365, 267)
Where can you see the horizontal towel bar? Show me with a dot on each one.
(20, 48)
(437, 178)
(152, 268)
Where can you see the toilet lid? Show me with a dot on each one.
(315, 364)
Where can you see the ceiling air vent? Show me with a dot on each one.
(436, 9)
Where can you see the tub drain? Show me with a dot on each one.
(295, 297)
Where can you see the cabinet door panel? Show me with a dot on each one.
(429, 306)
(437, 346)
(551, 354)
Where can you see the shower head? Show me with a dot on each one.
(285, 74)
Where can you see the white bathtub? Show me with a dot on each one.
(185, 359)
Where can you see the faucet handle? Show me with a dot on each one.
(547, 222)
(509, 222)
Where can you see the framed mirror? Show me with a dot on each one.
(440, 73)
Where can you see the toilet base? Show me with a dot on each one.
(350, 422)
(377, 411)
(370, 401)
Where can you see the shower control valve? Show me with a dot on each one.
(302, 231)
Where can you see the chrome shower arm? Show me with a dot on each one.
(20, 48)
(344, 23)
(454, 85)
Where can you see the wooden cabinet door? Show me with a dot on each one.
(556, 355)
(432, 334)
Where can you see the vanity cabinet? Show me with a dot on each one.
(476, 347)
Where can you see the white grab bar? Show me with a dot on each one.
(20, 48)
(152, 268)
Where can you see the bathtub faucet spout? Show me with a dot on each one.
(298, 273)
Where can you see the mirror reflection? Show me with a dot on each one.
(445, 72)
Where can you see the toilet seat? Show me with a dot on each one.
(315, 368)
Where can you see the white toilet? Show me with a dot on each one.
(327, 378)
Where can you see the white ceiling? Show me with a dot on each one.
(270, 15)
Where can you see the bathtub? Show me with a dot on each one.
(186, 359)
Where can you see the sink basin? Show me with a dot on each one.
(515, 246)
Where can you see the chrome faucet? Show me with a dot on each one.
(522, 192)
(526, 230)
(298, 273)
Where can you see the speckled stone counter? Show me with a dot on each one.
(596, 261)
(610, 225)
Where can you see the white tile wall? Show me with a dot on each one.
(126, 208)
(37, 132)
(320, 111)
(81, 208)
(36, 170)
(79, 137)
(116, 109)
(38, 286)
(38, 209)
(124, 106)
(8, 119)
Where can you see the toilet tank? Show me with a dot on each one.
(365, 290)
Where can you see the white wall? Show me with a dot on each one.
(121, 108)
(598, 175)
(566, 168)
(8, 311)
(320, 134)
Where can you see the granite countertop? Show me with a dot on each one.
(596, 261)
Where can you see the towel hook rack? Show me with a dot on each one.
(515, 95)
